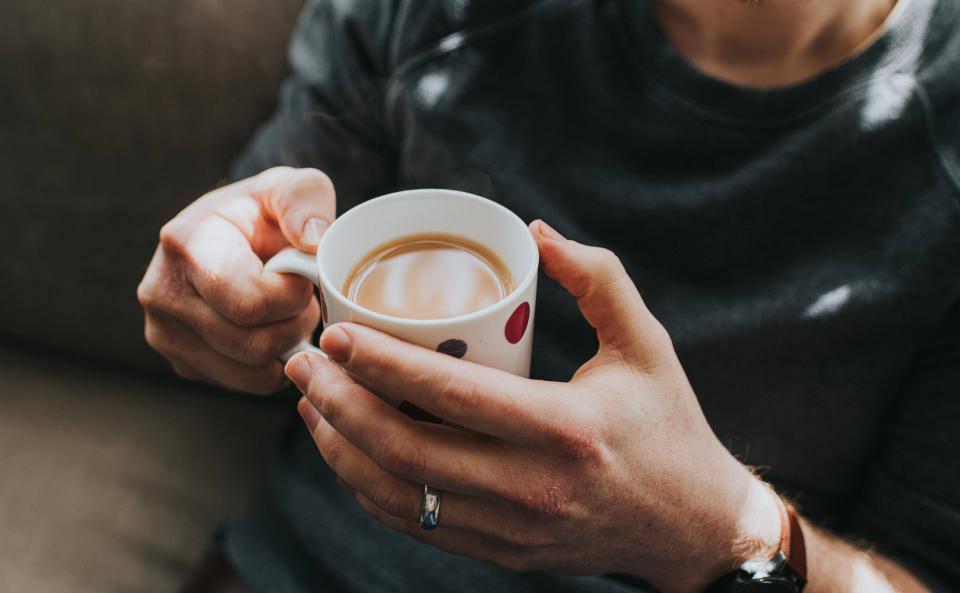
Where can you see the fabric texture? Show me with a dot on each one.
(110, 483)
(116, 115)
(800, 245)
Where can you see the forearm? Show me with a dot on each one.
(837, 566)
(833, 564)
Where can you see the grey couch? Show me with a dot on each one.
(113, 116)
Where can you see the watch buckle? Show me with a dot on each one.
(759, 569)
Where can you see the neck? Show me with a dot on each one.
(769, 43)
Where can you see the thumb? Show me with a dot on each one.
(606, 295)
(301, 201)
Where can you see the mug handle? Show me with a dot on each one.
(294, 261)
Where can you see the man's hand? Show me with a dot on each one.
(211, 310)
(615, 471)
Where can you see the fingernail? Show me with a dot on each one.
(298, 371)
(548, 232)
(313, 229)
(309, 414)
(336, 344)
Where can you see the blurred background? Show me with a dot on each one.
(114, 115)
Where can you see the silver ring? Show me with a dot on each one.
(430, 508)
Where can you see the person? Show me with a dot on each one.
(778, 178)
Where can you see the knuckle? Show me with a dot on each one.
(185, 371)
(578, 442)
(161, 287)
(332, 451)
(399, 456)
(609, 264)
(275, 172)
(173, 237)
(269, 180)
(656, 353)
(161, 294)
(459, 395)
(607, 257)
(525, 536)
(247, 310)
(292, 193)
(156, 336)
(308, 176)
(316, 176)
(545, 502)
(328, 407)
(390, 499)
(308, 319)
(262, 346)
(287, 181)
(660, 335)
(600, 267)
(301, 294)
(144, 294)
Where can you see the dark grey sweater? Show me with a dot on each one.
(800, 245)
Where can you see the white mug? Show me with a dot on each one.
(499, 336)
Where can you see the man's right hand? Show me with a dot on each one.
(211, 309)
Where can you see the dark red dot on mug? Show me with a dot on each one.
(418, 413)
(323, 305)
(517, 324)
(453, 347)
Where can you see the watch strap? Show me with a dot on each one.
(791, 540)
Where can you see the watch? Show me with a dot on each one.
(786, 572)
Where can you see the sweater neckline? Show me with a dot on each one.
(898, 48)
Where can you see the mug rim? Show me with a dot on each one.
(520, 289)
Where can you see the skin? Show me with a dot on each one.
(614, 471)
(606, 473)
(769, 43)
(209, 307)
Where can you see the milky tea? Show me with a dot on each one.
(429, 276)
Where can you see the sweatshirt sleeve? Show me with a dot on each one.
(330, 114)
(910, 504)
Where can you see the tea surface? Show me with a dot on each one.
(429, 276)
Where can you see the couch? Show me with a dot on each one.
(113, 116)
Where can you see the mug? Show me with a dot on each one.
(498, 336)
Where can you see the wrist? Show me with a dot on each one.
(752, 530)
(784, 569)
(758, 530)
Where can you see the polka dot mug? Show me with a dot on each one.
(500, 335)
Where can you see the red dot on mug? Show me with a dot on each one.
(517, 324)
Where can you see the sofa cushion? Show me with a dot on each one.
(113, 116)
(110, 483)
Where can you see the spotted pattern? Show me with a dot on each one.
(453, 347)
(418, 413)
(517, 324)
